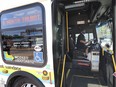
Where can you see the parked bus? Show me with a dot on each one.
(39, 43)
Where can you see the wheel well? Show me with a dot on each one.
(12, 80)
(20, 74)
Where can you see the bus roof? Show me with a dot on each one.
(9, 4)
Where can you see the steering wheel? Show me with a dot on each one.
(90, 42)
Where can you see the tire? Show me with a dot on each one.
(25, 82)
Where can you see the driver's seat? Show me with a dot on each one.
(79, 53)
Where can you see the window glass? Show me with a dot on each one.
(91, 36)
(23, 36)
(104, 34)
(88, 36)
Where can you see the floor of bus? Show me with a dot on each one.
(80, 76)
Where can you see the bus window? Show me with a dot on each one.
(104, 34)
(23, 32)
(88, 36)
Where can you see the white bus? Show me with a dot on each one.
(36, 49)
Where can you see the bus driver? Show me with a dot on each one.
(81, 43)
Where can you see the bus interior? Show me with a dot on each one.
(72, 67)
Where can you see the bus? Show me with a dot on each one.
(38, 41)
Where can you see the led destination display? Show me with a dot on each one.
(25, 17)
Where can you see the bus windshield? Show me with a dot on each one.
(104, 34)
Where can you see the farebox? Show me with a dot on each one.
(95, 61)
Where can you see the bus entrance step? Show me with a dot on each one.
(81, 62)
(85, 81)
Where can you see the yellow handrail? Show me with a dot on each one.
(102, 52)
(67, 31)
(63, 70)
(114, 63)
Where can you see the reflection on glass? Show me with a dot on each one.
(19, 44)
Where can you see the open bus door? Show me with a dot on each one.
(84, 74)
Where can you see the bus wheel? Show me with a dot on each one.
(25, 82)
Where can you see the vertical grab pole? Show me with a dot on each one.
(67, 43)
(114, 63)
(63, 71)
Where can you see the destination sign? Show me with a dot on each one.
(25, 17)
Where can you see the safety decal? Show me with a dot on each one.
(8, 57)
(38, 56)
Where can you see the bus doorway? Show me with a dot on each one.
(74, 68)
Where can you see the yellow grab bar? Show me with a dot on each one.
(63, 70)
(114, 63)
(67, 31)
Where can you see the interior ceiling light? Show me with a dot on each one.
(80, 22)
(79, 13)
(74, 5)
(88, 21)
